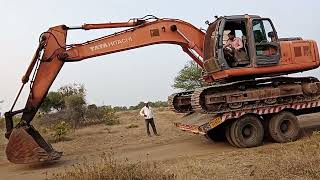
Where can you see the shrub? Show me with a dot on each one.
(60, 130)
(110, 117)
(94, 112)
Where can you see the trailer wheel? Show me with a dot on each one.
(228, 135)
(247, 132)
(284, 127)
(232, 135)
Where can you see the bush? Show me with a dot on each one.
(95, 113)
(60, 130)
(110, 117)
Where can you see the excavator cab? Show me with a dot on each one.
(260, 46)
(262, 53)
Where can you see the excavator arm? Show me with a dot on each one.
(25, 144)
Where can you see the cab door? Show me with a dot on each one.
(266, 44)
(211, 47)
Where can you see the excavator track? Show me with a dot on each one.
(196, 102)
(254, 93)
(180, 102)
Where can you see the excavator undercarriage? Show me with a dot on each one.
(239, 95)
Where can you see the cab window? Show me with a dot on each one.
(235, 47)
(265, 38)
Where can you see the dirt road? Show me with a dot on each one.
(89, 143)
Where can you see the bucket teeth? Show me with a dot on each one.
(23, 147)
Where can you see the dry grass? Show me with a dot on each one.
(173, 155)
(110, 169)
(295, 160)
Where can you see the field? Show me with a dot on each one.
(97, 151)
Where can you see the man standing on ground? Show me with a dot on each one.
(147, 113)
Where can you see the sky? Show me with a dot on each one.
(128, 77)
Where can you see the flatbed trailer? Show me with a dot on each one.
(248, 127)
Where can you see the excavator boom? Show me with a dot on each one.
(26, 145)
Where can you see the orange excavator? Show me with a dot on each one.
(234, 82)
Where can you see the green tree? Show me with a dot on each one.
(138, 106)
(120, 108)
(54, 100)
(75, 105)
(73, 93)
(94, 112)
(189, 77)
(159, 104)
(155, 104)
(75, 101)
(74, 97)
(72, 89)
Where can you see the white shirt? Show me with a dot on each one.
(147, 111)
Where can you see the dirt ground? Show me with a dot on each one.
(175, 149)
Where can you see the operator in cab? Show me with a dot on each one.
(233, 42)
(234, 51)
(148, 114)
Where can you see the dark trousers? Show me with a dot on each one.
(151, 121)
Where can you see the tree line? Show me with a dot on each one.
(73, 96)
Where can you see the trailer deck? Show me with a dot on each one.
(200, 123)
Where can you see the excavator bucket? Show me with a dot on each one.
(26, 145)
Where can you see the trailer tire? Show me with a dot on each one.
(232, 135)
(284, 127)
(247, 132)
(228, 135)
